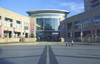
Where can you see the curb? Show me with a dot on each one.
(56, 43)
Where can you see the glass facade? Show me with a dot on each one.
(96, 20)
(48, 24)
(86, 22)
(96, 2)
(76, 24)
(50, 36)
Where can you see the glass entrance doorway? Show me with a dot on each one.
(48, 36)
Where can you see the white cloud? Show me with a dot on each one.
(76, 7)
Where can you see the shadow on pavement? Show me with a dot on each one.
(20, 57)
(3, 61)
(78, 56)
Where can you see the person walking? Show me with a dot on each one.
(72, 42)
(66, 43)
(69, 43)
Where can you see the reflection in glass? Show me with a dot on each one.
(77, 24)
(96, 20)
(8, 22)
(47, 23)
(86, 22)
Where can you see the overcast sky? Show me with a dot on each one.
(21, 6)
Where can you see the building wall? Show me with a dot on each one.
(88, 5)
(88, 14)
(14, 16)
(33, 21)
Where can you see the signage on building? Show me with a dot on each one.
(63, 30)
(32, 27)
(63, 27)
(32, 30)
(0, 30)
(95, 31)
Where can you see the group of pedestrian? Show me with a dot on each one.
(70, 44)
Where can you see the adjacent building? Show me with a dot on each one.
(91, 4)
(82, 27)
(13, 24)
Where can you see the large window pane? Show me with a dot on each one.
(69, 26)
(25, 26)
(8, 22)
(96, 20)
(18, 24)
(86, 22)
(77, 24)
(47, 24)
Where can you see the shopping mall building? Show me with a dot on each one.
(47, 23)
(41, 24)
(52, 25)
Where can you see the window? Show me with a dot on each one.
(76, 24)
(48, 24)
(69, 26)
(95, 4)
(18, 24)
(26, 26)
(86, 22)
(8, 22)
(96, 20)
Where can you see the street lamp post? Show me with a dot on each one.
(23, 36)
(13, 33)
(7, 35)
(95, 33)
(1, 30)
(81, 31)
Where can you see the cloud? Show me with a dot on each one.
(72, 6)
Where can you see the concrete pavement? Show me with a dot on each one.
(50, 54)
(78, 54)
(47, 43)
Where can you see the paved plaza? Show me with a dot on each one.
(49, 54)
